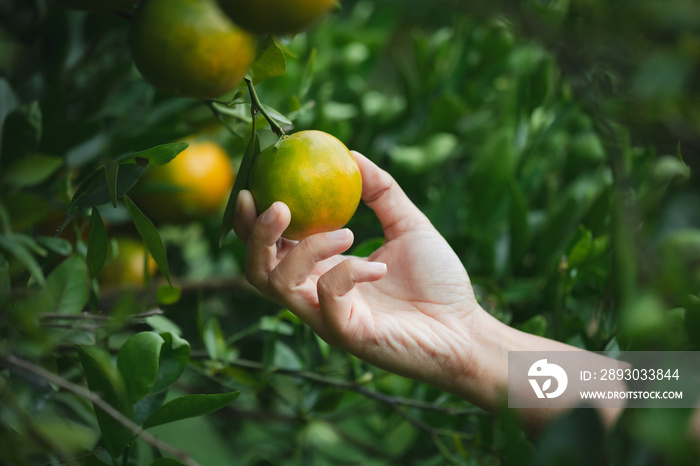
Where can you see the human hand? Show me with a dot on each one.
(408, 308)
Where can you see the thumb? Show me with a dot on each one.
(384, 196)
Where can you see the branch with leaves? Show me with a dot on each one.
(95, 399)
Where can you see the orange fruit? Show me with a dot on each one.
(315, 175)
(189, 48)
(127, 264)
(276, 16)
(98, 5)
(196, 183)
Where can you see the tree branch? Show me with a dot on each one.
(394, 401)
(255, 102)
(103, 405)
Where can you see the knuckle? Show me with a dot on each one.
(325, 284)
(251, 275)
(384, 185)
(279, 282)
(306, 248)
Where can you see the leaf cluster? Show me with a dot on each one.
(552, 144)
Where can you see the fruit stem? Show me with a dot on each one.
(255, 102)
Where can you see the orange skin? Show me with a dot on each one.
(276, 16)
(315, 175)
(189, 48)
(127, 268)
(195, 183)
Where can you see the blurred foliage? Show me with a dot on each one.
(554, 143)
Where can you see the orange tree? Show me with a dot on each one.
(551, 144)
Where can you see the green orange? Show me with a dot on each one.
(276, 16)
(126, 267)
(189, 48)
(196, 183)
(315, 175)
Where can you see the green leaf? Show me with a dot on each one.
(189, 406)
(241, 183)
(277, 116)
(158, 155)
(169, 294)
(69, 286)
(490, 174)
(31, 244)
(581, 249)
(519, 226)
(32, 170)
(111, 175)
(98, 244)
(162, 324)
(536, 325)
(669, 169)
(138, 363)
(174, 357)
(25, 209)
(59, 246)
(94, 191)
(270, 61)
(10, 244)
(103, 381)
(148, 405)
(214, 340)
(238, 112)
(151, 237)
(72, 436)
(308, 77)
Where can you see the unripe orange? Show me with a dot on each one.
(315, 175)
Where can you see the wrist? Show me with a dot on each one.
(485, 381)
(484, 366)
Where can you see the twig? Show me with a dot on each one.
(112, 293)
(103, 405)
(29, 424)
(255, 102)
(73, 326)
(53, 320)
(335, 382)
(219, 116)
(97, 317)
(432, 431)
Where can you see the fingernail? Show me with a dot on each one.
(270, 215)
(337, 235)
(381, 266)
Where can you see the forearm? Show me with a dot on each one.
(485, 383)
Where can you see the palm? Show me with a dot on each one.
(412, 309)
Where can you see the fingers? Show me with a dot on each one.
(300, 262)
(246, 214)
(281, 270)
(262, 243)
(381, 193)
(334, 289)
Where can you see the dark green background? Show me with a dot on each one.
(553, 143)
